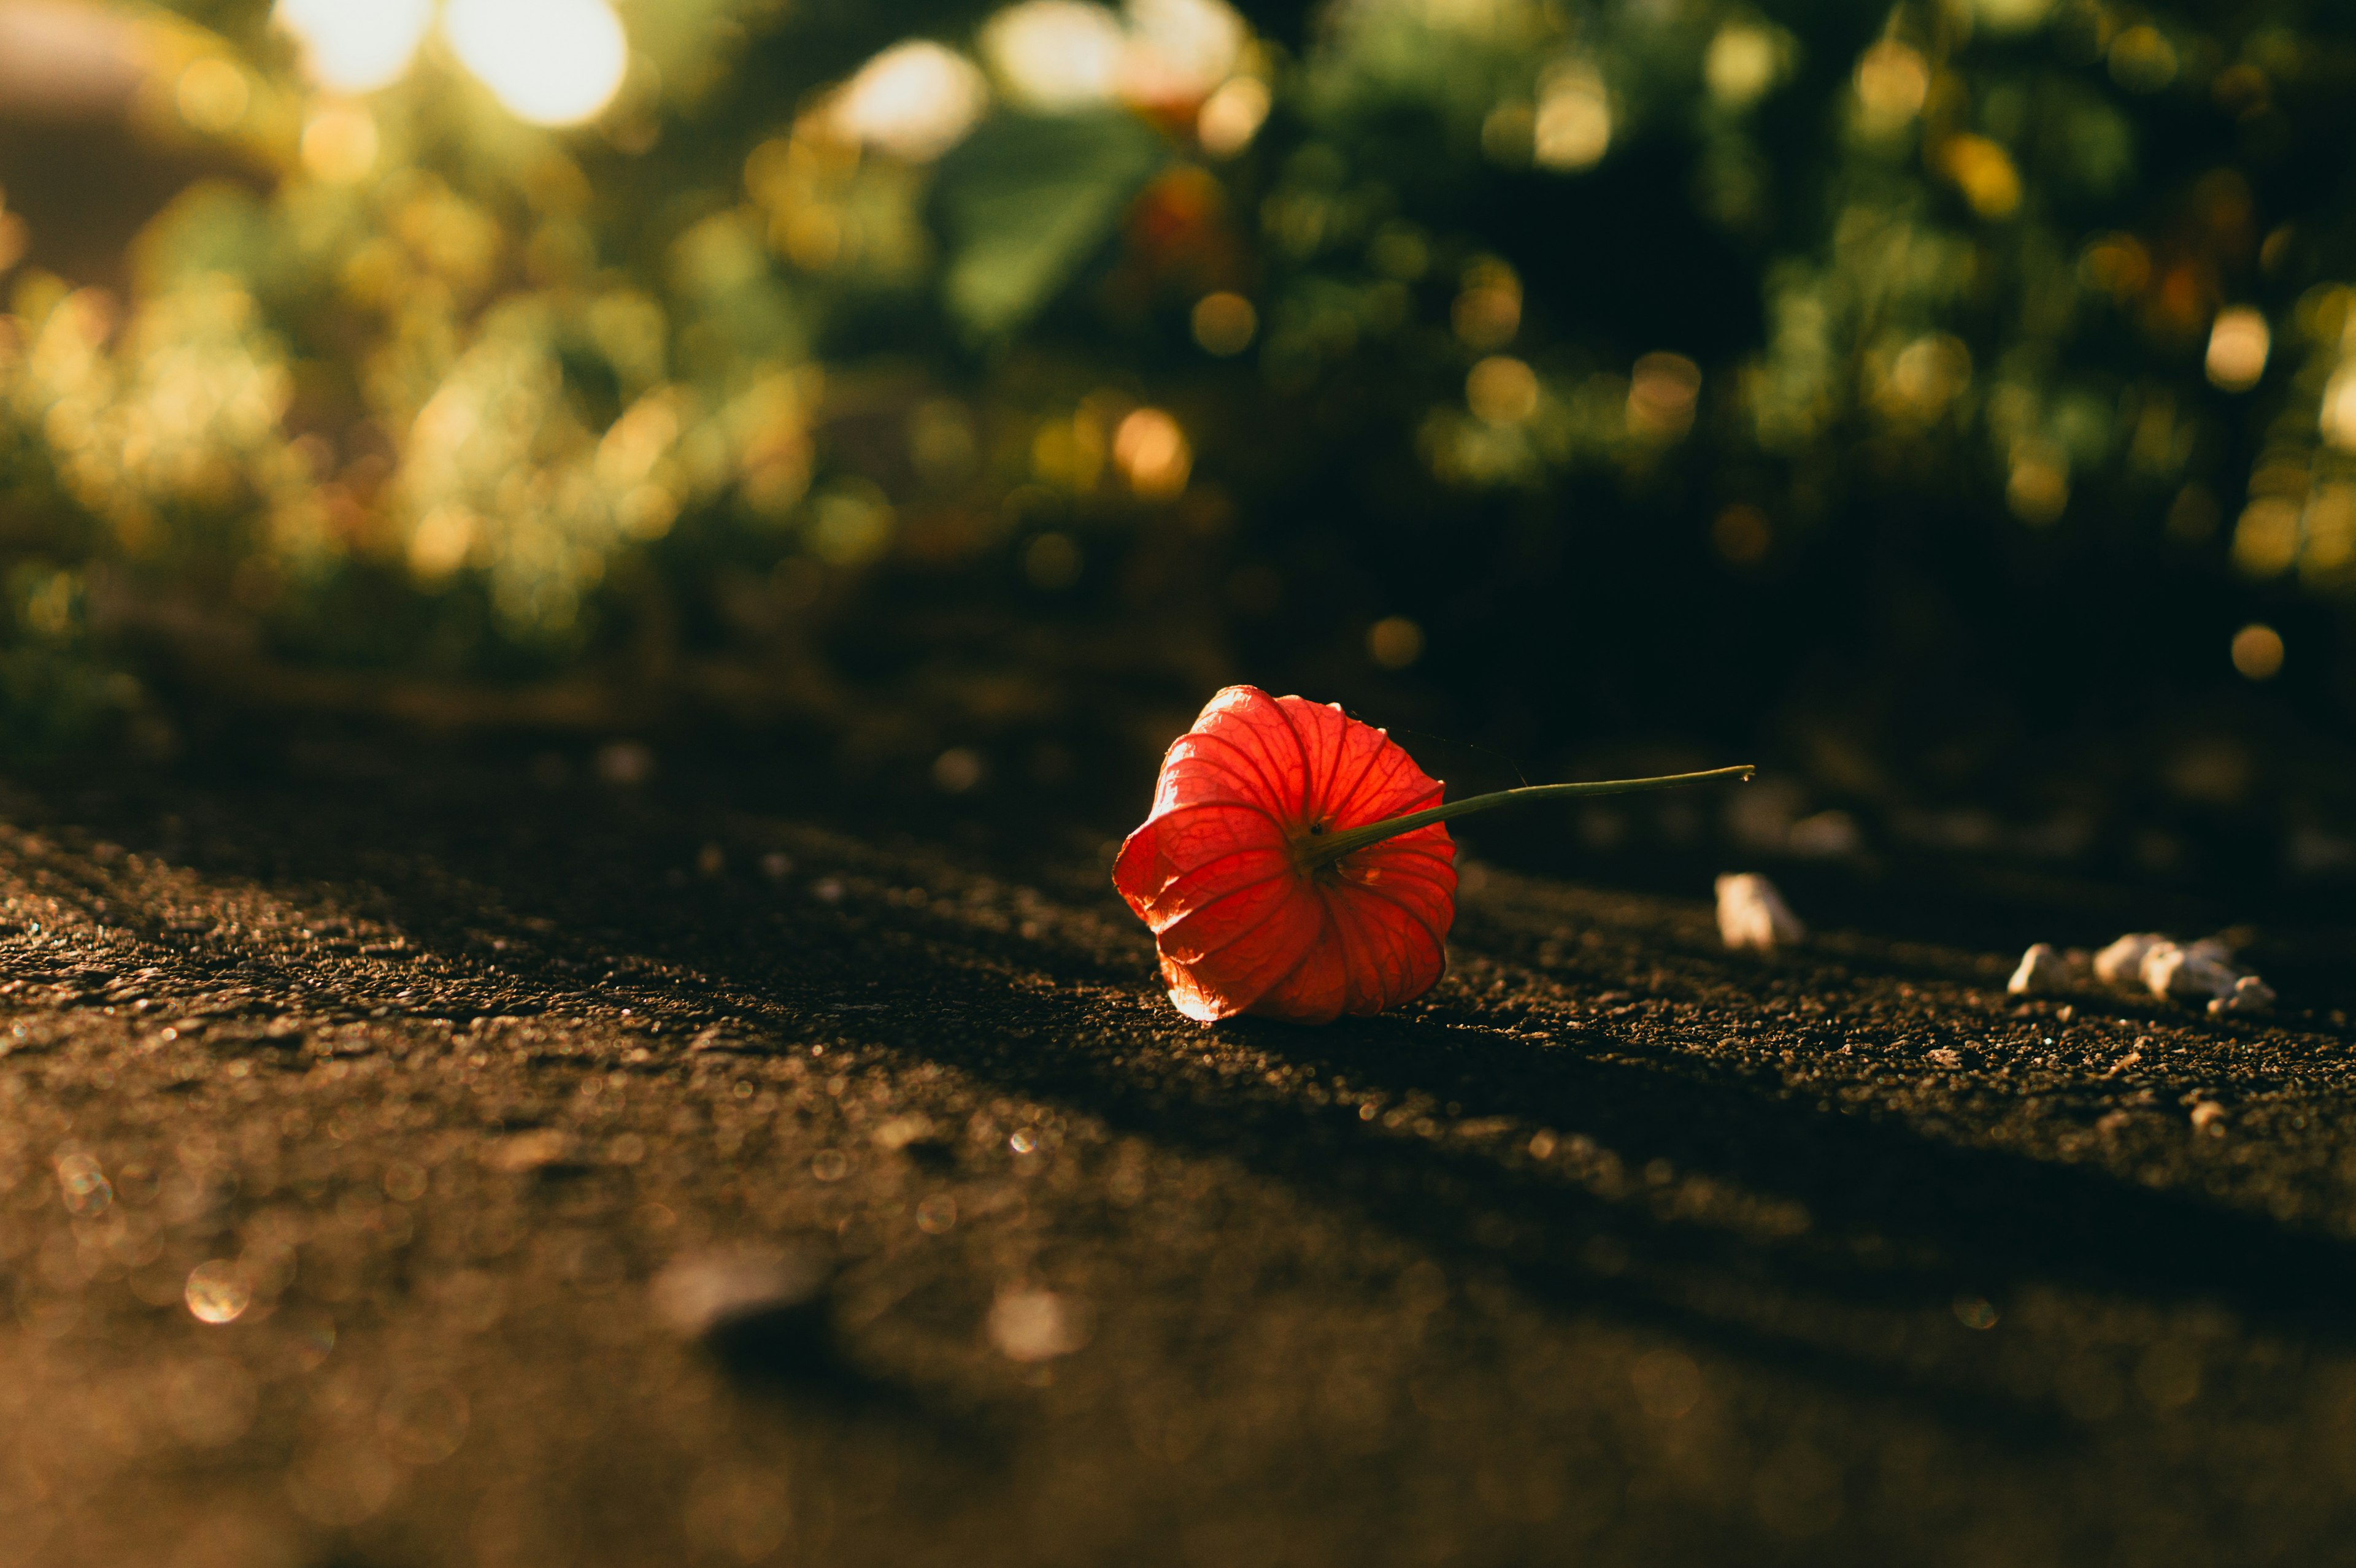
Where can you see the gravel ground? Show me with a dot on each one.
(450, 1169)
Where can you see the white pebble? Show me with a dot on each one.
(2196, 971)
(2189, 971)
(1752, 913)
(2250, 994)
(707, 1291)
(1036, 1326)
(2121, 963)
(2041, 969)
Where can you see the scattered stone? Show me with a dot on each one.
(1036, 1326)
(2201, 971)
(1828, 834)
(521, 1153)
(708, 1293)
(1752, 913)
(2196, 971)
(2121, 962)
(730, 1038)
(624, 764)
(2041, 969)
(2249, 995)
(2207, 1114)
(901, 1131)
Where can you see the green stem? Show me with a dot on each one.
(1326, 848)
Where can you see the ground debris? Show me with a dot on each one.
(1753, 914)
(709, 1291)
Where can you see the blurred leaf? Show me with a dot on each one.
(1027, 201)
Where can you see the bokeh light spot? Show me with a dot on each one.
(1224, 323)
(2116, 263)
(2142, 59)
(1573, 126)
(2338, 418)
(851, 525)
(213, 95)
(2238, 344)
(1232, 116)
(2038, 490)
(218, 1292)
(1056, 55)
(1663, 392)
(1051, 562)
(1036, 1326)
(1152, 453)
(82, 1183)
(958, 770)
(1741, 64)
(914, 101)
(1488, 312)
(1667, 1384)
(1742, 535)
(357, 46)
(1984, 172)
(1893, 82)
(1502, 390)
(2266, 541)
(2258, 652)
(550, 62)
(1179, 51)
(1975, 1312)
(2012, 15)
(339, 143)
(1395, 641)
(1926, 376)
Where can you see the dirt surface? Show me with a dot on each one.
(584, 1176)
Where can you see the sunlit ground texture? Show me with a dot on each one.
(371, 1169)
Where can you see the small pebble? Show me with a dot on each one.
(2201, 971)
(1752, 913)
(2196, 971)
(2121, 962)
(2249, 995)
(707, 1291)
(2041, 969)
(624, 764)
(534, 1150)
(1036, 1326)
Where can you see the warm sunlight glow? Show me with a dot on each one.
(1892, 84)
(357, 46)
(1573, 128)
(1232, 116)
(2238, 344)
(1179, 50)
(339, 143)
(914, 101)
(551, 62)
(2258, 652)
(1056, 54)
(1153, 453)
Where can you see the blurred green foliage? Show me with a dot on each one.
(960, 352)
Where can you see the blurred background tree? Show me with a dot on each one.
(1956, 400)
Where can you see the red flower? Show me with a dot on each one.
(1294, 865)
(1247, 917)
